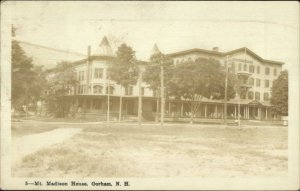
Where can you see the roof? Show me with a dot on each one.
(243, 49)
(233, 102)
(104, 48)
(221, 54)
(98, 57)
(155, 50)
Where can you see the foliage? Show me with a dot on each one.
(124, 70)
(194, 80)
(152, 72)
(200, 78)
(24, 78)
(61, 81)
(279, 95)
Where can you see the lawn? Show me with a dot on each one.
(153, 151)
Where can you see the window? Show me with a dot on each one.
(77, 89)
(243, 95)
(266, 96)
(251, 68)
(129, 90)
(80, 75)
(84, 88)
(267, 83)
(257, 82)
(81, 89)
(143, 91)
(258, 69)
(98, 73)
(257, 96)
(233, 67)
(250, 95)
(275, 71)
(156, 92)
(98, 89)
(267, 70)
(251, 81)
(110, 89)
(240, 66)
(245, 67)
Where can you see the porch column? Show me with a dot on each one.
(222, 113)
(266, 113)
(205, 110)
(259, 113)
(234, 112)
(169, 108)
(248, 112)
(91, 104)
(181, 111)
(216, 111)
(199, 109)
(126, 106)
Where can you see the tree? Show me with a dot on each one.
(24, 79)
(124, 70)
(152, 74)
(61, 81)
(194, 80)
(279, 94)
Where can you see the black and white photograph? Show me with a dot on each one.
(149, 95)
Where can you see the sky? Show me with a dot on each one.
(270, 29)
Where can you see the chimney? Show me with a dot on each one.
(216, 49)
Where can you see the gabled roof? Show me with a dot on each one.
(221, 54)
(104, 48)
(243, 49)
(195, 50)
(155, 50)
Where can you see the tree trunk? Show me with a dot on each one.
(157, 108)
(192, 116)
(120, 108)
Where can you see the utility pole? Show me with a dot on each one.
(88, 73)
(226, 84)
(239, 103)
(140, 97)
(162, 110)
(107, 118)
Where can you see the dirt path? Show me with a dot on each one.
(28, 144)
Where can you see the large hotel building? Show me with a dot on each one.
(91, 95)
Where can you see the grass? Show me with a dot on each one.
(170, 151)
